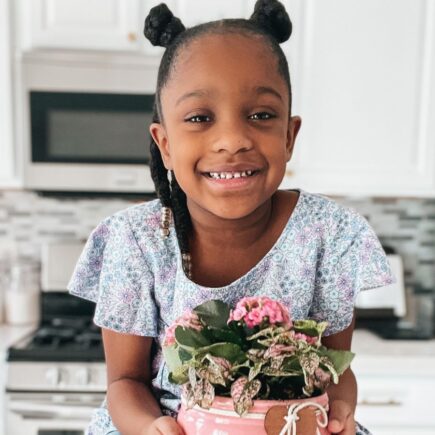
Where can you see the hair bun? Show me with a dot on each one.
(161, 27)
(271, 16)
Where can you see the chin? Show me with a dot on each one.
(233, 212)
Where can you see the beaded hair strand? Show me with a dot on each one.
(269, 20)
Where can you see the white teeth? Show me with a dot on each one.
(230, 175)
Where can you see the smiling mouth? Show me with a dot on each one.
(230, 175)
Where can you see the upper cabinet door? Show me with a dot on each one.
(7, 161)
(80, 24)
(366, 80)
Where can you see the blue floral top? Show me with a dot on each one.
(325, 255)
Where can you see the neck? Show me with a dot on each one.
(211, 230)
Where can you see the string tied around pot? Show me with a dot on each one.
(292, 417)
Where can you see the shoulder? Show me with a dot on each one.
(143, 212)
(142, 218)
(137, 224)
(330, 217)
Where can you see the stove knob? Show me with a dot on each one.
(52, 376)
(81, 376)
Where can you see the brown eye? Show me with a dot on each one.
(261, 116)
(198, 118)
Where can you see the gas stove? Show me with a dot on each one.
(56, 375)
(61, 339)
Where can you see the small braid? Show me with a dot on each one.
(171, 195)
(183, 223)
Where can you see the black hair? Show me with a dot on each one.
(269, 21)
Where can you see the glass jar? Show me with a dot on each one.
(22, 296)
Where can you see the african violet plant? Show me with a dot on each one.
(254, 351)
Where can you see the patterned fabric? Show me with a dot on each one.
(325, 255)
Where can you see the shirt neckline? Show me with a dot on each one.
(290, 220)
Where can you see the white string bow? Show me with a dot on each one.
(292, 417)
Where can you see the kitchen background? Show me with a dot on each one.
(363, 75)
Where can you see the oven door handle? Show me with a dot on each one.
(48, 411)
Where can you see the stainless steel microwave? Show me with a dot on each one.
(86, 125)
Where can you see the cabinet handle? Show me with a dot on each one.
(132, 36)
(391, 402)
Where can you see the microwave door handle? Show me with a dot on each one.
(48, 411)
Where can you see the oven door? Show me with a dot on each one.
(50, 413)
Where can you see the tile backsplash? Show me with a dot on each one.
(405, 224)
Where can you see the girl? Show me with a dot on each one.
(222, 136)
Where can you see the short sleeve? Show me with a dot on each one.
(353, 260)
(112, 272)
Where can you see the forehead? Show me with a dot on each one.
(229, 62)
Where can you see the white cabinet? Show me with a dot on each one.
(109, 24)
(365, 89)
(395, 394)
(79, 24)
(7, 170)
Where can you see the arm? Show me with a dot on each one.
(132, 406)
(342, 396)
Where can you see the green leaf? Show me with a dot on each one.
(230, 351)
(254, 371)
(214, 313)
(190, 339)
(184, 355)
(326, 362)
(172, 357)
(204, 393)
(341, 359)
(271, 372)
(179, 376)
(218, 335)
(310, 362)
(242, 392)
(310, 327)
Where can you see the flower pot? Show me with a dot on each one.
(266, 417)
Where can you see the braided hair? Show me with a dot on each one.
(269, 20)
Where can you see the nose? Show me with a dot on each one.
(232, 137)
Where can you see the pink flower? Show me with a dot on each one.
(254, 311)
(238, 313)
(188, 320)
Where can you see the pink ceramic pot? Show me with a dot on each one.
(221, 419)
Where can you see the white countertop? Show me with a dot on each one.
(9, 334)
(369, 344)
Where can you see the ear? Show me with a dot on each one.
(160, 137)
(293, 129)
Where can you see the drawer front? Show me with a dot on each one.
(396, 402)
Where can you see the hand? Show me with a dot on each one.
(341, 419)
(163, 426)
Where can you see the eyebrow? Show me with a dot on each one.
(267, 90)
(195, 93)
(259, 90)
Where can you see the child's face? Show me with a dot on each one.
(226, 111)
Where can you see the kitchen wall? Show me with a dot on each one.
(406, 224)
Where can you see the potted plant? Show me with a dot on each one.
(251, 368)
